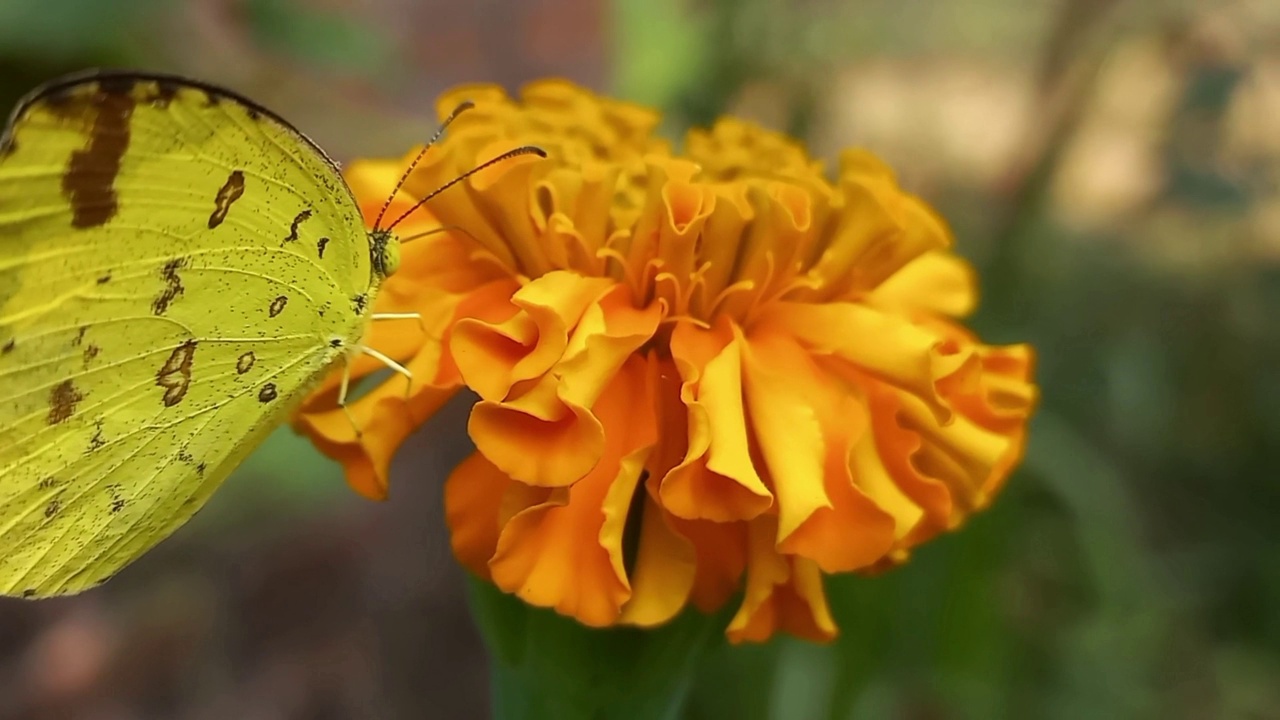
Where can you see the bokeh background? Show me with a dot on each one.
(1113, 170)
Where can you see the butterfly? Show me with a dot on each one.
(179, 267)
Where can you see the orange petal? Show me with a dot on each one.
(717, 479)
(895, 445)
(670, 224)
(719, 249)
(937, 282)
(961, 454)
(501, 194)
(473, 497)
(853, 532)
(721, 556)
(781, 594)
(545, 433)
(879, 229)
(1004, 397)
(539, 450)
(385, 418)
(663, 574)
(567, 553)
(888, 346)
(489, 303)
(785, 424)
(493, 357)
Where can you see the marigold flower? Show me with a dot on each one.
(697, 374)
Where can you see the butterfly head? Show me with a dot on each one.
(384, 252)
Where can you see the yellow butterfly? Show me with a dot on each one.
(178, 268)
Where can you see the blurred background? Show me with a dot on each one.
(1111, 167)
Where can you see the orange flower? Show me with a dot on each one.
(698, 374)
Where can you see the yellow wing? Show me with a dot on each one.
(178, 267)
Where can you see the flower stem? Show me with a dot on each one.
(547, 666)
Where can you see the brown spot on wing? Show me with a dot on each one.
(200, 469)
(117, 502)
(293, 227)
(47, 483)
(230, 192)
(90, 352)
(277, 306)
(8, 347)
(97, 440)
(175, 374)
(267, 393)
(104, 279)
(245, 363)
(320, 246)
(89, 180)
(52, 508)
(79, 338)
(172, 286)
(63, 399)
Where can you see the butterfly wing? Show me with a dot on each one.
(178, 267)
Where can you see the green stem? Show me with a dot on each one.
(547, 666)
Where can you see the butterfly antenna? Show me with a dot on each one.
(436, 231)
(461, 108)
(526, 150)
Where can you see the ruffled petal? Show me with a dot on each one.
(545, 433)
(786, 427)
(664, 570)
(473, 504)
(721, 557)
(567, 553)
(717, 479)
(886, 471)
(494, 357)
(385, 419)
(854, 532)
(879, 230)
(782, 593)
(935, 282)
(889, 347)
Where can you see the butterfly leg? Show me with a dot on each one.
(402, 316)
(391, 364)
(385, 360)
(342, 395)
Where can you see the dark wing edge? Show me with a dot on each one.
(122, 81)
